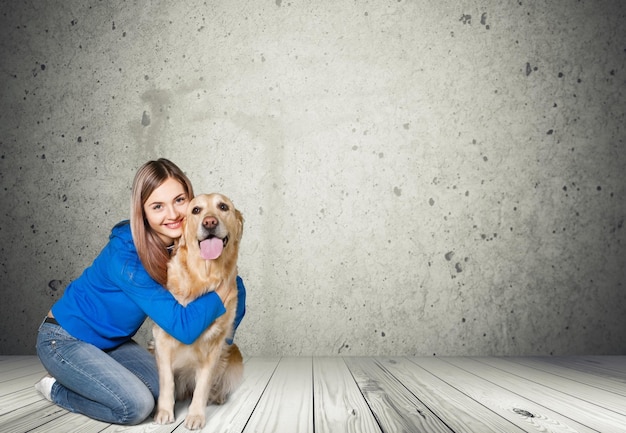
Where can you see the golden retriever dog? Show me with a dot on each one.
(204, 259)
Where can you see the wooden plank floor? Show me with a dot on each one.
(386, 394)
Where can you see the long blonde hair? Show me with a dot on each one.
(151, 249)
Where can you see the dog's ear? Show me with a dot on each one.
(239, 217)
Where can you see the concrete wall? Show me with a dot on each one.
(418, 177)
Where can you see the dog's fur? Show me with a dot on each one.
(209, 369)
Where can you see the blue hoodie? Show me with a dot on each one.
(108, 303)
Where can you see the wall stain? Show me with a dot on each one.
(483, 20)
(145, 119)
(55, 285)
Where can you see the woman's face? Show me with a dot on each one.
(165, 210)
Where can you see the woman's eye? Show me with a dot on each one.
(181, 199)
(223, 207)
(195, 210)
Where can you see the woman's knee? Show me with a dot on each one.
(138, 407)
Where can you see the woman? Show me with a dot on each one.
(85, 343)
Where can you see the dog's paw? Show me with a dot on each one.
(164, 417)
(195, 421)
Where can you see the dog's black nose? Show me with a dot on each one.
(210, 222)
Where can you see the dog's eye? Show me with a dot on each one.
(195, 210)
(223, 207)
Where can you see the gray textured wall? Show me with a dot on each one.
(417, 177)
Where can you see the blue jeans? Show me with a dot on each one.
(119, 386)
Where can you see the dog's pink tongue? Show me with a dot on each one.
(211, 249)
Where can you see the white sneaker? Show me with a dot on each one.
(44, 386)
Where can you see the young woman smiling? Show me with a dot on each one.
(85, 342)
